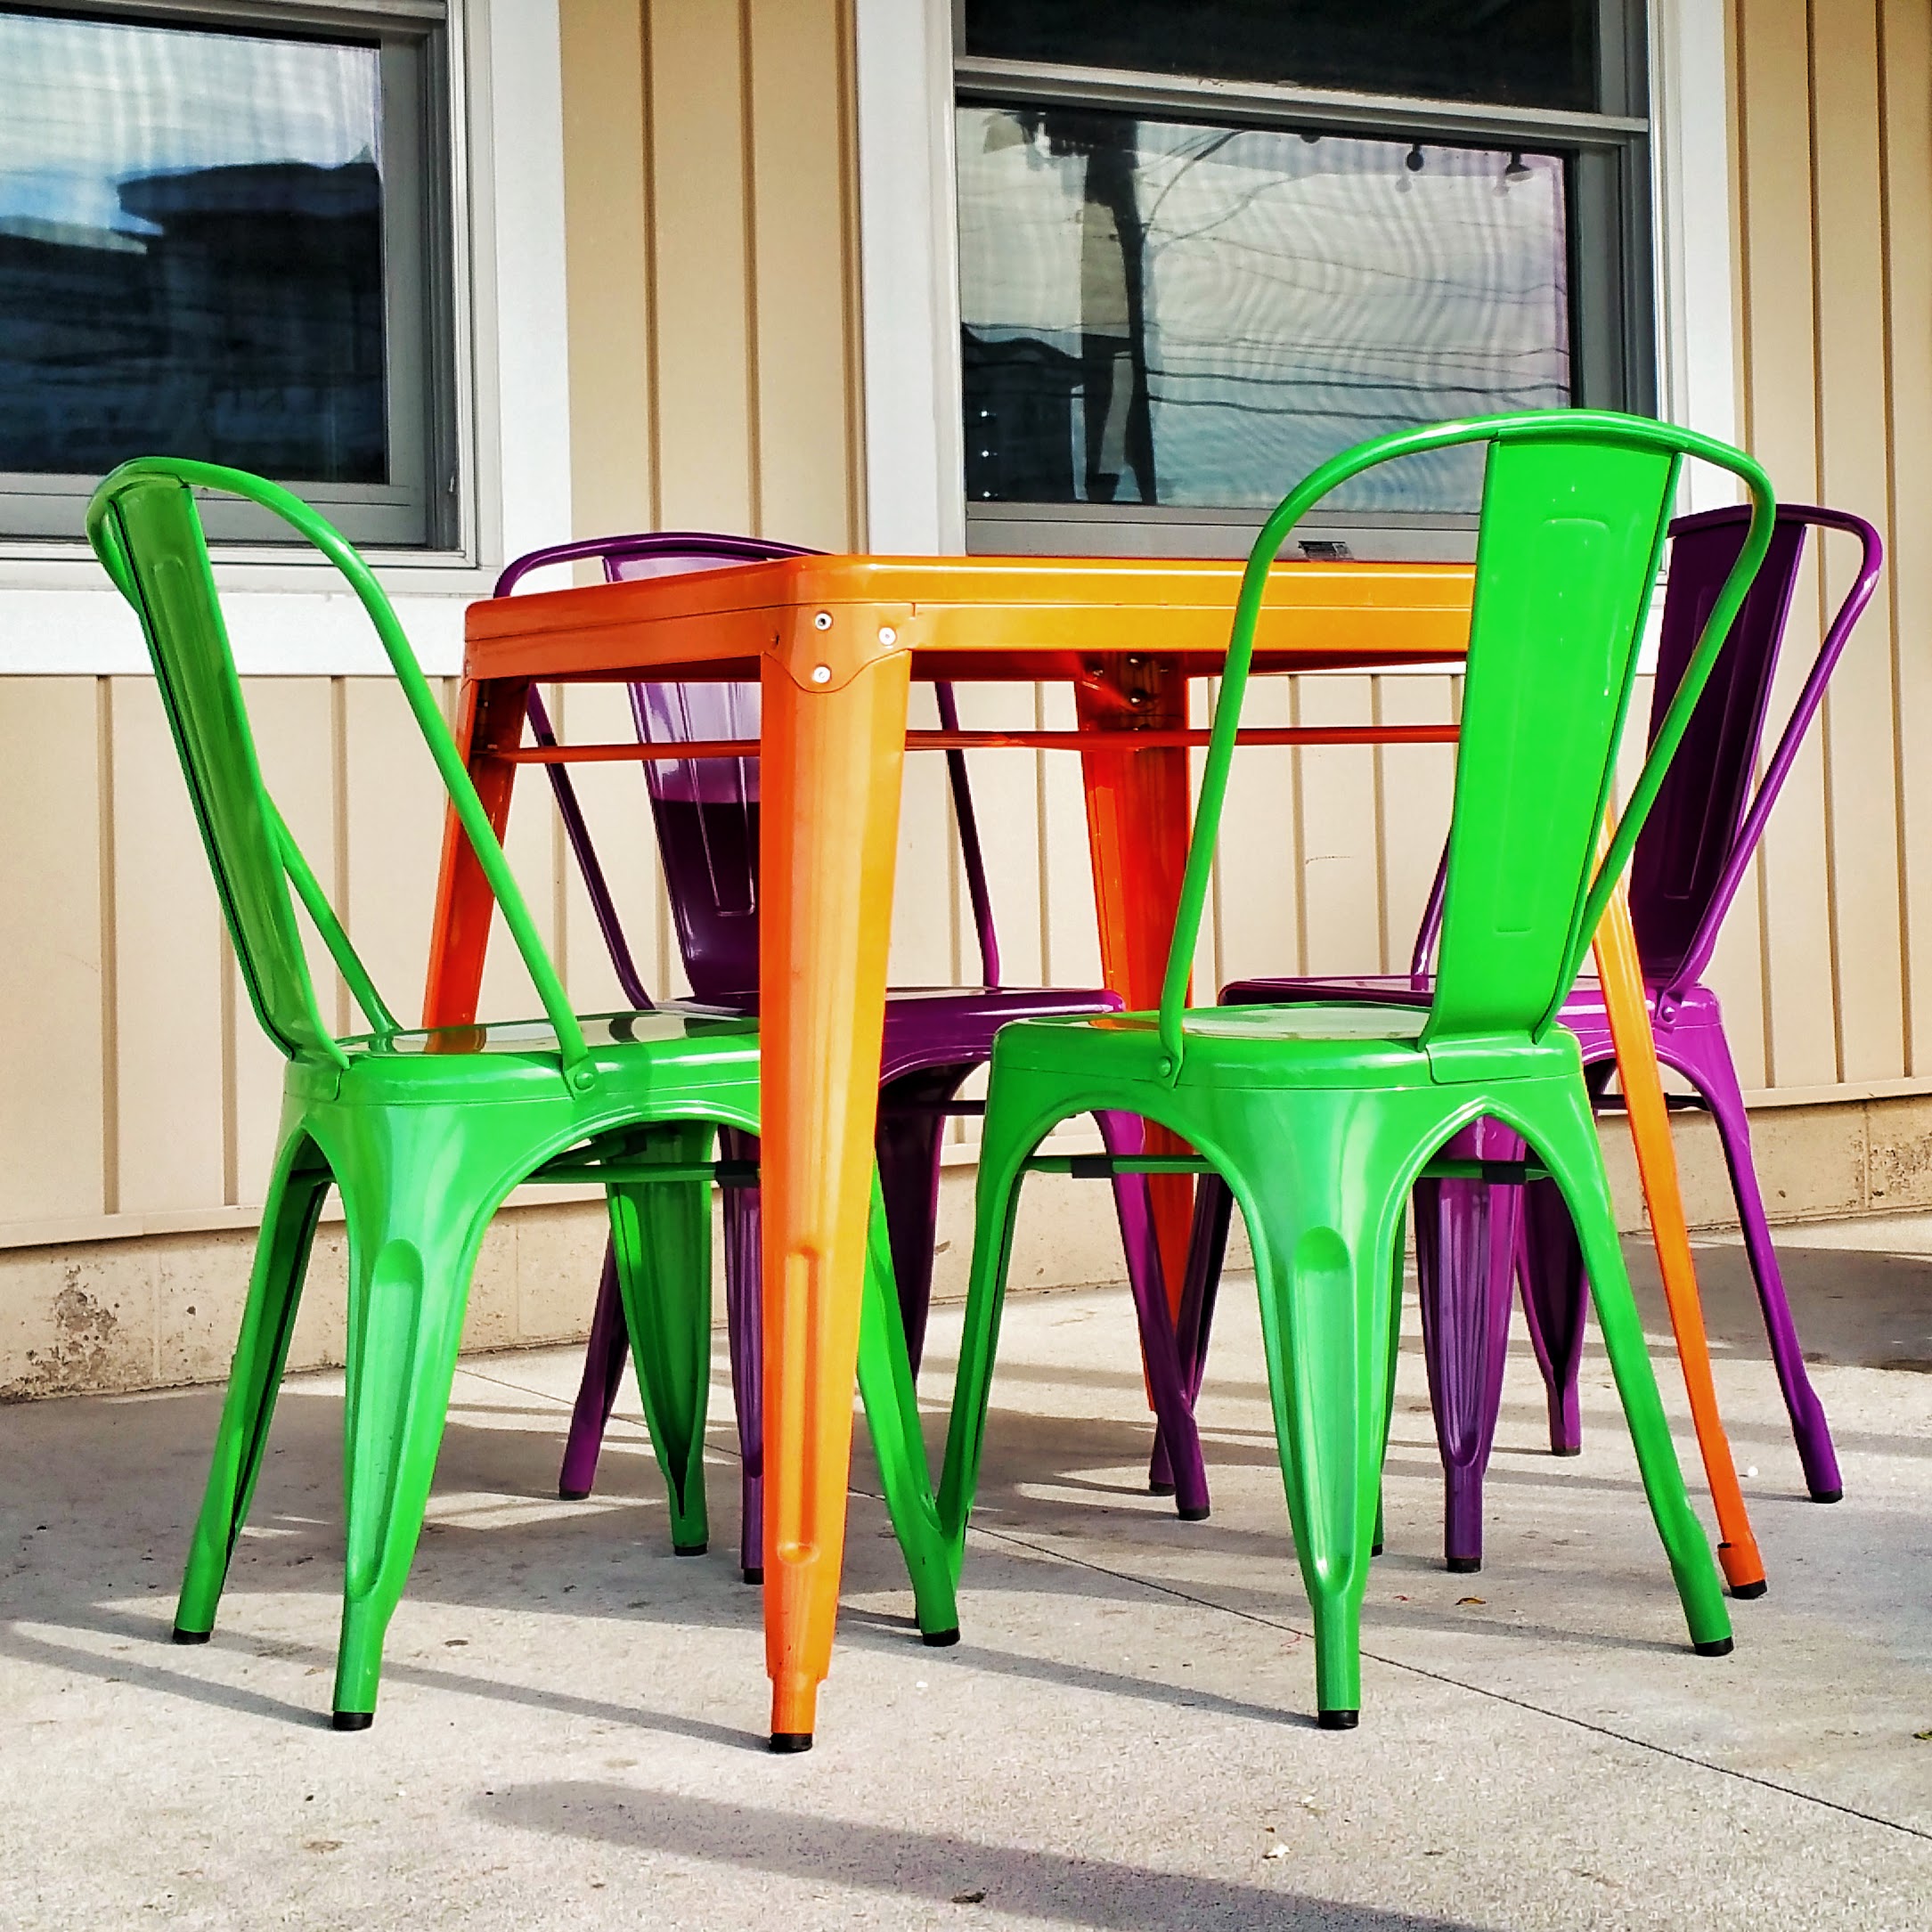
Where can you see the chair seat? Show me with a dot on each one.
(639, 1057)
(1326, 1044)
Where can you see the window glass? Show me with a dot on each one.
(1522, 52)
(190, 251)
(1162, 312)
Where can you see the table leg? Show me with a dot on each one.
(833, 762)
(1619, 969)
(489, 721)
(1138, 821)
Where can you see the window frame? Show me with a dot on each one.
(420, 515)
(1613, 310)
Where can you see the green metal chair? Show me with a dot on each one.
(1320, 1117)
(426, 1133)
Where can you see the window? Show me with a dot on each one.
(1204, 246)
(223, 234)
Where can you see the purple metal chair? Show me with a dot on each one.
(1472, 1236)
(706, 814)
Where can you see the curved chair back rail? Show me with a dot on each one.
(1574, 503)
(146, 529)
(1692, 855)
(706, 811)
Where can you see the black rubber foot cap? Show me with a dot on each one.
(940, 1639)
(787, 1743)
(688, 1549)
(571, 1496)
(1720, 1648)
(1750, 1590)
(1576, 1450)
(352, 1720)
(1828, 1496)
(1374, 1549)
(754, 1576)
(191, 1636)
(1461, 1566)
(1339, 1720)
(1160, 1488)
(1193, 1516)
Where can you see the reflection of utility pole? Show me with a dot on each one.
(1114, 318)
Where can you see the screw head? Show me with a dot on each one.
(887, 635)
(823, 622)
(821, 673)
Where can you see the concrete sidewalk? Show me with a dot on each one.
(573, 1722)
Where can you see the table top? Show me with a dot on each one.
(970, 618)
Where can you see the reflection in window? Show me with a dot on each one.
(1529, 52)
(190, 251)
(1161, 313)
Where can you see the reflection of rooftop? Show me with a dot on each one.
(296, 188)
(70, 234)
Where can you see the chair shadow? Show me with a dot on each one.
(923, 1868)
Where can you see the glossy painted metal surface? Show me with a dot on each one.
(1320, 1119)
(426, 1133)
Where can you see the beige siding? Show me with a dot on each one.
(715, 383)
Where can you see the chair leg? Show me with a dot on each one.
(744, 1260)
(295, 1202)
(908, 1142)
(996, 1205)
(1564, 1133)
(1387, 1386)
(413, 1246)
(892, 1405)
(1324, 1266)
(604, 1358)
(661, 1231)
(1717, 1079)
(1549, 1266)
(1465, 1255)
(1207, 1250)
(1176, 1437)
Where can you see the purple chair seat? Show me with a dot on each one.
(1474, 1239)
(706, 814)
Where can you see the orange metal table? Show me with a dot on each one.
(835, 642)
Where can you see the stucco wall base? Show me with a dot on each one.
(162, 1310)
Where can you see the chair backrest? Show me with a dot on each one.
(146, 529)
(705, 810)
(1692, 856)
(1574, 509)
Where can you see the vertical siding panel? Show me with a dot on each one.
(924, 935)
(393, 822)
(1906, 106)
(1858, 721)
(802, 239)
(606, 254)
(1254, 868)
(51, 1050)
(1006, 806)
(706, 387)
(295, 740)
(1339, 887)
(1072, 935)
(1418, 786)
(617, 808)
(1780, 362)
(168, 943)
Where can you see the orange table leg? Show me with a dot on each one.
(833, 762)
(1137, 817)
(489, 721)
(1619, 967)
